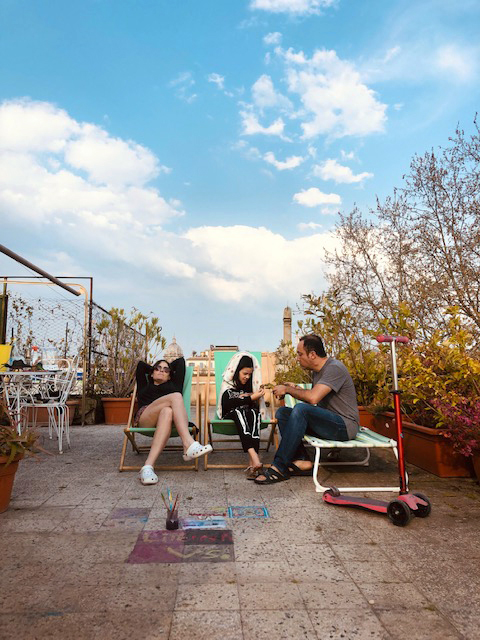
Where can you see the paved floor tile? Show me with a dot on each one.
(375, 571)
(418, 625)
(206, 625)
(281, 625)
(330, 595)
(280, 596)
(280, 571)
(205, 573)
(310, 570)
(394, 596)
(211, 597)
(354, 625)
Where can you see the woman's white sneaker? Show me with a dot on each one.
(147, 475)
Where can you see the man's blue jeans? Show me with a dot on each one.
(295, 423)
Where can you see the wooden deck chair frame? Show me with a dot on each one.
(227, 427)
(130, 430)
(366, 440)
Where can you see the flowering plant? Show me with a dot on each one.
(461, 424)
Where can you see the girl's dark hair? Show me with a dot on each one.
(312, 342)
(245, 362)
(167, 363)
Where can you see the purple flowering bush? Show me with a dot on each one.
(461, 424)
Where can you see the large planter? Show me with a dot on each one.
(476, 465)
(366, 417)
(425, 447)
(116, 410)
(42, 414)
(7, 475)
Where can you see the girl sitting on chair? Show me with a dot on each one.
(238, 402)
(160, 401)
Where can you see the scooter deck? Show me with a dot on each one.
(369, 504)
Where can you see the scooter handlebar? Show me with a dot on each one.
(402, 339)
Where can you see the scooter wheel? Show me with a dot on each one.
(332, 491)
(399, 513)
(422, 510)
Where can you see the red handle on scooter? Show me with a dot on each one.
(402, 339)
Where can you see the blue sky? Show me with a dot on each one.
(192, 156)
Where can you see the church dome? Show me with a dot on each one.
(173, 351)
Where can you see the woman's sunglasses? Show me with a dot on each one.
(166, 369)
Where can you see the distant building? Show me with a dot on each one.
(173, 351)
(287, 324)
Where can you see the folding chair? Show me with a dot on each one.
(131, 430)
(227, 427)
(366, 439)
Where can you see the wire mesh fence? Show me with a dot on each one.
(51, 319)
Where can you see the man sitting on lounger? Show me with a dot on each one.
(328, 410)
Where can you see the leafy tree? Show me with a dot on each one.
(421, 246)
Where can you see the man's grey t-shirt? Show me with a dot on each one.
(342, 398)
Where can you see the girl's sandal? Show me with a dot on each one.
(253, 472)
(272, 476)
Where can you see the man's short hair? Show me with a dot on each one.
(312, 342)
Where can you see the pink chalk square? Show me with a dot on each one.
(208, 536)
(156, 553)
(162, 536)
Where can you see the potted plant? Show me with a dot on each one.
(13, 447)
(440, 397)
(123, 341)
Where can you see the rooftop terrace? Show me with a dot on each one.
(309, 570)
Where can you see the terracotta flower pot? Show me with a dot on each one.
(7, 475)
(42, 413)
(116, 410)
(476, 465)
(366, 417)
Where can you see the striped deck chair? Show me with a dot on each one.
(227, 427)
(131, 430)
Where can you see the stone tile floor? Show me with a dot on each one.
(309, 570)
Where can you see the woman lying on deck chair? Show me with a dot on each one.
(160, 401)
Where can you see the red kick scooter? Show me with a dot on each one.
(401, 509)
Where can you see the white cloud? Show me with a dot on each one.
(313, 197)
(251, 125)
(44, 127)
(116, 230)
(96, 153)
(347, 155)
(456, 60)
(333, 94)
(183, 85)
(76, 172)
(265, 96)
(332, 170)
(391, 53)
(300, 7)
(284, 264)
(272, 38)
(308, 226)
(217, 79)
(290, 163)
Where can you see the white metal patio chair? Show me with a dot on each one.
(52, 394)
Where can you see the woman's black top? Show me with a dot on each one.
(147, 392)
